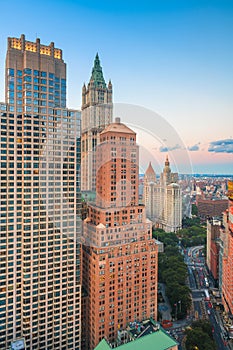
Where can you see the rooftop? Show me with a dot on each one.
(97, 74)
(150, 170)
(148, 335)
(118, 127)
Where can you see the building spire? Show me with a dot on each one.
(97, 77)
(167, 163)
(150, 175)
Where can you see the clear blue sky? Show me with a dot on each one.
(173, 57)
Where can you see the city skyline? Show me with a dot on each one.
(172, 58)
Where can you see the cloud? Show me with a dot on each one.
(194, 147)
(221, 146)
(168, 149)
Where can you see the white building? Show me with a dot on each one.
(163, 198)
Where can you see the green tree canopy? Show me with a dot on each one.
(200, 335)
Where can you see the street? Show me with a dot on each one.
(199, 282)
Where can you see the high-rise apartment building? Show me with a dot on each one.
(96, 114)
(119, 255)
(163, 199)
(39, 202)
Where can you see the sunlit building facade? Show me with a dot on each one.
(40, 202)
(120, 257)
(96, 114)
(163, 198)
(212, 246)
(227, 257)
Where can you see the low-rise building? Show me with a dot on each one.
(211, 207)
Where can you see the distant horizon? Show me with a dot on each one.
(199, 174)
(171, 57)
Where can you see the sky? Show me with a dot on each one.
(171, 58)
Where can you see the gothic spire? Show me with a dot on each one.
(97, 77)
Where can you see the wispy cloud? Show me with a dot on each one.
(194, 147)
(169, 148)
(221, 146)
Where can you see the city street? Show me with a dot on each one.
(218, 330)
(199, 282)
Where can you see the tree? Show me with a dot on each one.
(173, 272)
(204, 325)
(172, 251)
(199, 339)
(200, 336)
(194, 209)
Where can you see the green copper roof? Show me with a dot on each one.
(156, 341)
(97, 74)
(103, 345)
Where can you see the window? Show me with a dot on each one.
(27, 71)
(11, 72)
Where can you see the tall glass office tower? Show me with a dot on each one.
(39, 202)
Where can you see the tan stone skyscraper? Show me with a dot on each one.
(119, 255)
(39, 194)
(96, 114)
(163, 199)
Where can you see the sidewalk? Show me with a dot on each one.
(229, 345)
(164, 308)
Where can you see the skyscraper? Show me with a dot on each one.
(119, 254)
(40, 198)
(226, 278)
(163, 199)
(149, 192)
(96, 114)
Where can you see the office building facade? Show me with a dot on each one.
(40, 199)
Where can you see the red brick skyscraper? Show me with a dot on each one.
(119, 254)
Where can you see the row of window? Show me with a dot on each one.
(54, 114)
(36, 73)
(28, 79)
(35, 87)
